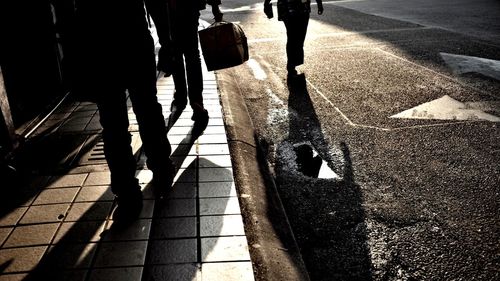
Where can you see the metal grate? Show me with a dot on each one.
(95, 156)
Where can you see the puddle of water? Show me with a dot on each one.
(310, 163)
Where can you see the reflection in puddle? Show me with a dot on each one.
(310, 163)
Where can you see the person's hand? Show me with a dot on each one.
(320, 9)
(217, 13)
(268, 10)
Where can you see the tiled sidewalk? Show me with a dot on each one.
(64, 222)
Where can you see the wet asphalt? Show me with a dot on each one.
(413, 199)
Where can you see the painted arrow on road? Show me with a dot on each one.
(447, 108)
(466, 64)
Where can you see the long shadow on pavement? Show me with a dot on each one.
(326, 214)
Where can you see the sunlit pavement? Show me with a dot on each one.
(60, 225)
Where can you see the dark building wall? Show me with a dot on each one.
(29, 58)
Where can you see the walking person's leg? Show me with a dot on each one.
(181, 90)
(296, 29)
(193, 61)
(118, 153)
(149, 113)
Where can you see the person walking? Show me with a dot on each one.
(187, 72)
(295, 16)
(113, 53)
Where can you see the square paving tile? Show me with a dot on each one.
(221, 225)
(147, 209)
(21, 259)
(67, 180)
(213, 149)
(173, 228)
(89, 211)
(81, 232)
(70, 256)
(45, 213)
(178, 131)
(176, 208)
(177, 139)
(4, 232)
(217, 138)
(186, 190)
(172, 251)
(93, 125)
(65, 275)
(215, 174)
(137, 230)
(184, 162)
(95, 193)
(215, 121)
(99, 178)
(56, 195)
(224, 249)
(174, 272)
(119, 254)
(217, 189)
(122, 274)
(215, 161)
(13, 217)
(185, 175)
(31, 235)
(241, 271)
(219, 206)
(72, 127)
(214, 130)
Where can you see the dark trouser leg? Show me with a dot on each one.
(117, 139)
(179, 75)
(142, 89)
(296, 29)
(187, 39)
(193, 62)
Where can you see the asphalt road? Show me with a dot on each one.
(402, 102)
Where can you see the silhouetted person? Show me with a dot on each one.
(295, 15)
(114, 53)
(185, 17)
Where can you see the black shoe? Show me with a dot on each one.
(292, 73)
(163, 180)
(200, 119)
(177, 105)
(129, 206)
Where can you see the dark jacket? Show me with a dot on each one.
(291, 8)
(108, 39)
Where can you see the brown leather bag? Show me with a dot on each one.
(224, 45)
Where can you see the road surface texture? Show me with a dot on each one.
(386, 154)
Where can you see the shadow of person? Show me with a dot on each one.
(326, 214)
(190, 224)
(196, 130)
(72, 251)
(173, 117)
(73, 248)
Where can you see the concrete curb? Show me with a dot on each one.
(274, 251)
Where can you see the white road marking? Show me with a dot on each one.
(447, 108)
(466, 64)
(349, 122)
(257, 70)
